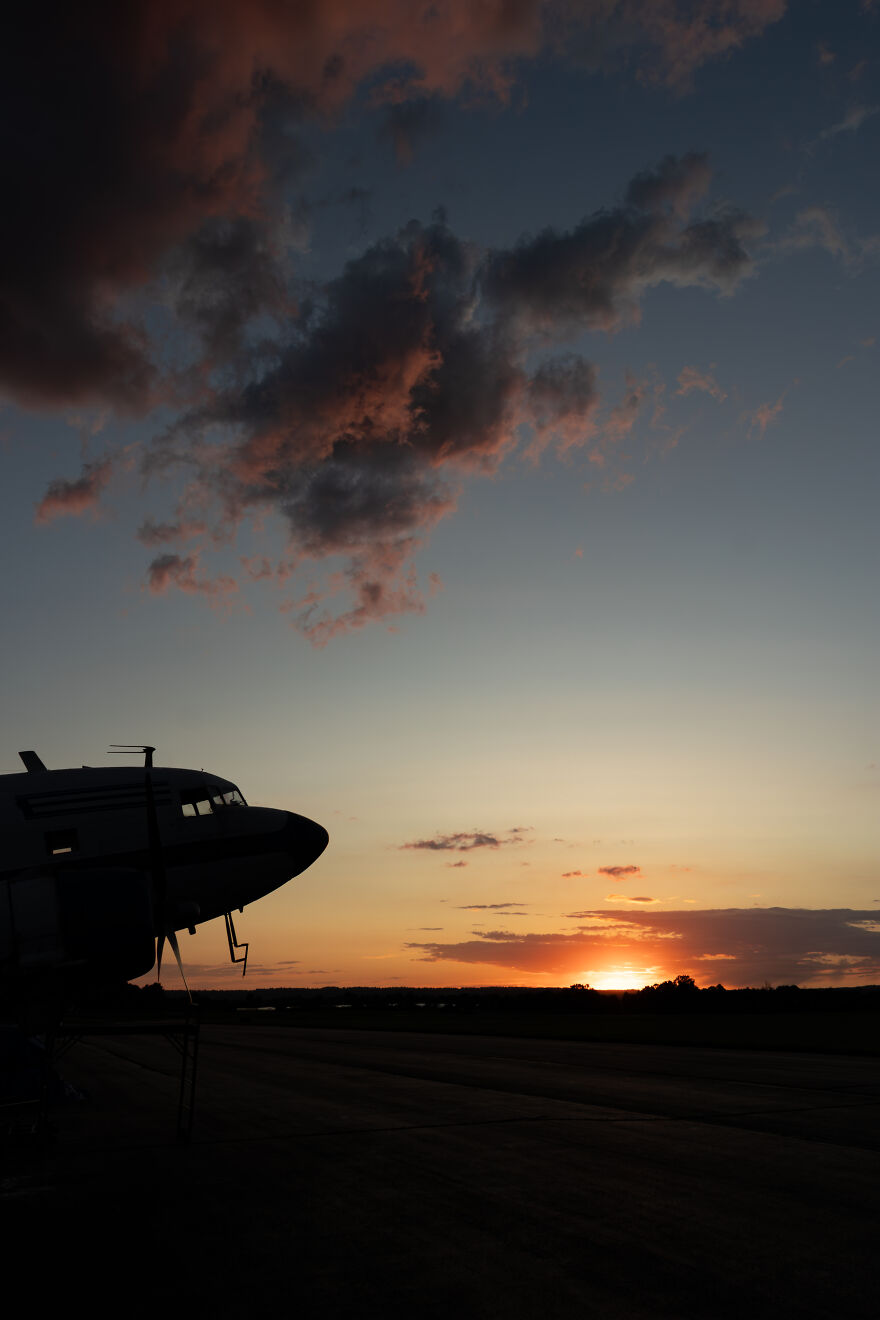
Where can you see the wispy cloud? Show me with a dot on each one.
(764, 416)
(816, 226)
(467, 841)
(620, 872)
(152, 533)
(851, 122)
(692, 378)
(628, 898)
(182, 572)
(81, 495)
(490, 907)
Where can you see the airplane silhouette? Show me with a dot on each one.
(101, 866)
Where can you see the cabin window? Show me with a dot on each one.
(195, 802)
(61, 842)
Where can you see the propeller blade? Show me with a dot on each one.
(172, 940)
(160, 945)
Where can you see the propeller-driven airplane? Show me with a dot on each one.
(101, 866)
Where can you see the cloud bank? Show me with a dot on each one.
(407, 374)
(150, 258)
(741, 946)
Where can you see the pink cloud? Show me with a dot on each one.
(78, 496)
(167, 571)
(764, 416)
(691, 378)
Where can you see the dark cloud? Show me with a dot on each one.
(409, 122)
(153, 132)
(620, 872)
(675, 185)
(465, 842)
(748, 945)
(138, 125)
(593, 276)
(383, 395)
(361, 421)
(147, 170)
(224, 276)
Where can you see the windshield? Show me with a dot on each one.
(205, 799)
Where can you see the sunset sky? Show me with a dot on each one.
(457, 423)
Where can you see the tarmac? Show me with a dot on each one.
(337, 1172)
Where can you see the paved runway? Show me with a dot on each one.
(347, 1173)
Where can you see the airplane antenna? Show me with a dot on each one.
(157, 862)
(119, 748)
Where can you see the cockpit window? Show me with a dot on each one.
(231, 798)
(205, 799)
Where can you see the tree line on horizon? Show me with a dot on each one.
(681, 994)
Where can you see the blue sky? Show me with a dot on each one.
(275, 499)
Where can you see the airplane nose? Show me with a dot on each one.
(304, 840)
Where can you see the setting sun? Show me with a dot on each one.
(618, 978)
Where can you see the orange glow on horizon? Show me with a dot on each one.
(619, 978)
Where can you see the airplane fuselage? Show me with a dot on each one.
(84, 849)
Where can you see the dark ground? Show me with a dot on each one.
(337, 1172)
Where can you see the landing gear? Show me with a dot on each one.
(234, 943)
